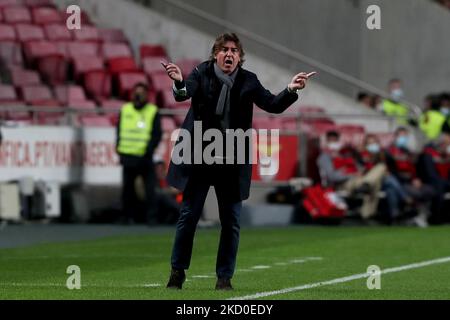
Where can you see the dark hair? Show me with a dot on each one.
(140, 85)
(361, 96)
(401, 129)
(371, 136)
(332, 134)
(394, 80)
(220, 42)
(444, 96)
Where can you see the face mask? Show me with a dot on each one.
(373, 148)
(397, 94)
(334, 146)
(445, 111)
(139, 101)
(401, 142)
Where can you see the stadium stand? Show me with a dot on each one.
(112, 35)
(46, 15)
(57, 32)
(17, 14)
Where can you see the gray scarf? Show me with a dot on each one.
(223, 104)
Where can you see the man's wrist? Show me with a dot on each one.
(179, 84)
(291, 90)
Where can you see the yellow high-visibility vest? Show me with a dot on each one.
(135, 129)
(394, 109)
(431, 123)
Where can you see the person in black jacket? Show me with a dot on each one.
(433, 167)
(138, 120)
(223, 94)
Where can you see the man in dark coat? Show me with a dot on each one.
(223, 94)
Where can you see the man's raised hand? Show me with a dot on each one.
(173, 71)
(298, 82)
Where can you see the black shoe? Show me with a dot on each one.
(176, 280)
(223, 284)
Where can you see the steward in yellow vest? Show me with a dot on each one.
(138, 135)
(431, 123)
(396, 109)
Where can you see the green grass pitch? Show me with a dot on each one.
(137, 267)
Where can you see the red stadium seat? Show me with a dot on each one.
(112, 35)
(152, 65)
(152, 50)
(53, 69)
(187, 65)
(168, 124)
(128, 80)
(7, 93)
(37, 49)
(122, 64)
(11, 53)
(17, 15)
(115, 50)
(62, 47)
(29, 32)
(95, 121)
(75, 49)
(83, 64)
(112, 104)
(160, 81)
(57, 32)
(24, 77)
(39, 95)
(10, 3)
(7, 33)
(39, 3)
(46, 15)
(87, 34)
(66, 93)
(97, 84)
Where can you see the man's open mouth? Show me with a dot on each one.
(228, 62)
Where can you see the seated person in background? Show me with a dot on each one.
(402, 185)
(445, 110)
(371, 154)
(339, 169)
(433, 168)
(365, 99)
(168, 198)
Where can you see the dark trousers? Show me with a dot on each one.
(229, 212)
(129, 198)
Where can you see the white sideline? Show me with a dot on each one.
(344, 279)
